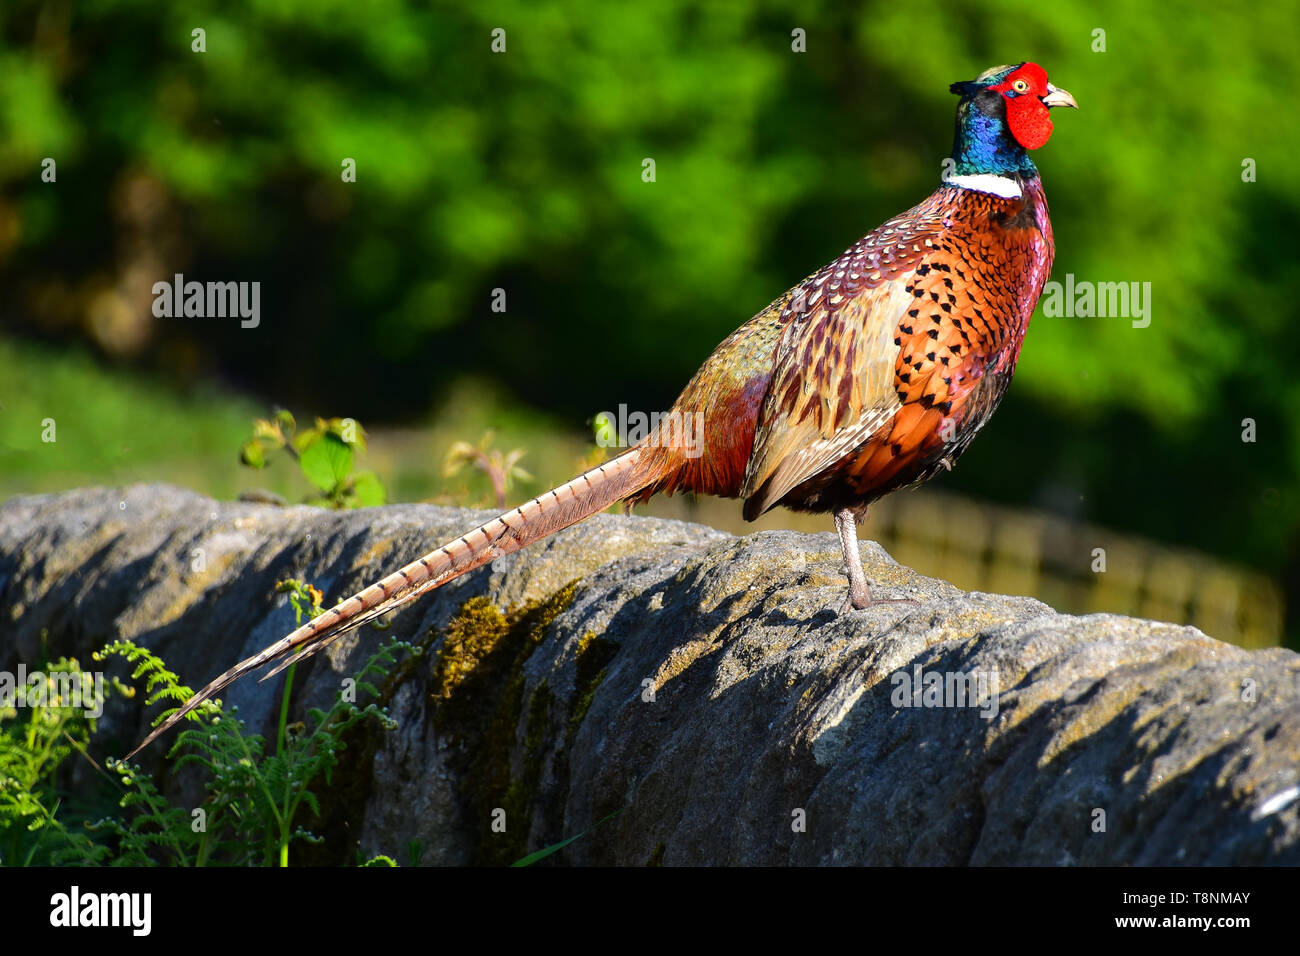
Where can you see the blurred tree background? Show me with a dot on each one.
(522, 171)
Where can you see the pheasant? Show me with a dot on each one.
(871, 375)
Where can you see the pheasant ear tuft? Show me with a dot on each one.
(966, 88)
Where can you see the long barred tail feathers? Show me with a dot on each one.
(563, 506)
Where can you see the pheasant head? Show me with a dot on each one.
(1003, 114)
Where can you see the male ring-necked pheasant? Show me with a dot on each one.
(873, 373)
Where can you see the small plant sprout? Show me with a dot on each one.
(502, 469)
(326, 455)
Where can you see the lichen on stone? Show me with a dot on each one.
(478, 686)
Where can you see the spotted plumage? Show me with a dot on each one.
(873, 373)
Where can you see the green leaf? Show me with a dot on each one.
(544, 852)
(253, 454)
(326, 462)
(348, 429)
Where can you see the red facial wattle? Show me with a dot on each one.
(1028, 119)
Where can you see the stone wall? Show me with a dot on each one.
(696, 692)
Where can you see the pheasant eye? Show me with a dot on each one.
(1020, 86)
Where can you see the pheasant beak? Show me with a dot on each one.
(1058, 97)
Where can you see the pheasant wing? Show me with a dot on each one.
(832, 383)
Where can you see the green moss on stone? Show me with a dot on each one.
(593, 655)
(478, 687)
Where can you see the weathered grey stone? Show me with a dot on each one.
(1115, 740)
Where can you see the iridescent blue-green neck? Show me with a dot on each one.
(983, 144)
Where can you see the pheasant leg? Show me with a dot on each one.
(859, 597)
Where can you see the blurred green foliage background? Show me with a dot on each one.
(522, 171)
